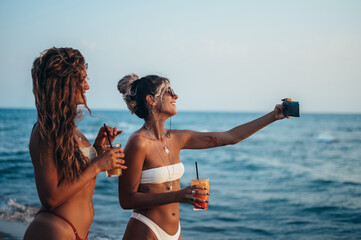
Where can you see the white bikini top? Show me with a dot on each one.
(162, 174)
(89, 152)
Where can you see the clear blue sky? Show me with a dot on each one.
(219, 55)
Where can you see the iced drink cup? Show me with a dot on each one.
(203, 183)
(115, 172)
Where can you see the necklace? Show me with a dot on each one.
(166, 149)
(167, 152)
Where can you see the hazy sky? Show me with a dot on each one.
(219, 55)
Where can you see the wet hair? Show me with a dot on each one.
(57, 76)
(135, 91)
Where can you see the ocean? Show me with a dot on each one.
(298, 178)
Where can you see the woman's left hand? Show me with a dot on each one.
(102, 138)
(185, 195)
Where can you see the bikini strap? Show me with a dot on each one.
(66, 220)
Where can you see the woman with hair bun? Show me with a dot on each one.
(65, 163)
(151, 185)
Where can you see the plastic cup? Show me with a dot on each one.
(203, 183)
(115, 172)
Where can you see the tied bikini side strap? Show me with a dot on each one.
(66, 220)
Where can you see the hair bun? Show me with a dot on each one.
(125, 84)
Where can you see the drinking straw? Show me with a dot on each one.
(106, 130)
(197, 170)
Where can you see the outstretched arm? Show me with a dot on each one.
(201, 140)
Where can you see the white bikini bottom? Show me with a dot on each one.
(159, 233)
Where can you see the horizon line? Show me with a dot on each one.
(191, 110)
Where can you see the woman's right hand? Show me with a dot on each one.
(102, 138)
(113, 158)
(185, 195)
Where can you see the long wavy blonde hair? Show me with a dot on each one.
(57, 81)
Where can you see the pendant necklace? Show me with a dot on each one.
(166, 149)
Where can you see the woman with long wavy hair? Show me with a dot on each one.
(65, 163)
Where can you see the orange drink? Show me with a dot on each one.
(203, 183)
(115, 172)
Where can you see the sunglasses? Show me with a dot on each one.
(171, 92)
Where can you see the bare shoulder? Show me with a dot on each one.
(137, 142)
(34, 144)
(34, 138)
(136, 151)
(36, 149)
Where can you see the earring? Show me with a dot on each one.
(153, 110)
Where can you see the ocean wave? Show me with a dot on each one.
(127, 125)
(322, 209)
(326, 182)
(323, 182)
(252, 230)
(352, 183)
(298, 222)
(327, 138)
(14, 211)
(212, 229)
(333, 177)
(225, 219)
(11, 151)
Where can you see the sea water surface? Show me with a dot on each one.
(298, 178)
